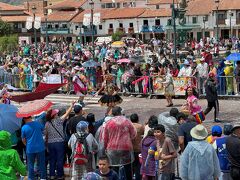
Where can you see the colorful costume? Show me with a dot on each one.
(110, 99)
(80, 85)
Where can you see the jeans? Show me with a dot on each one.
(56, 157)
(127, 169)
(31, 157)
(136, 166)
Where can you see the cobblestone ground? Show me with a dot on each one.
(144, 107)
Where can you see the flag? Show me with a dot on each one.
(86, 19)
(37, 22)
(96, 19)
(29, 22)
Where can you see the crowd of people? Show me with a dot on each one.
(68, 142)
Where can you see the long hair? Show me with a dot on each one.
(195, 92)
(49, 115)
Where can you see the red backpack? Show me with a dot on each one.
(81, 150)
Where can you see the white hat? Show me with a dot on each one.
(186, 62)
(199, 132)
(77, 68)
(228, 62)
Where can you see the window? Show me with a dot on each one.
(49, 26)
(23, 25)
(103, 6)
(56, 26)
(100, 27)
(64, 25)
(118, 5)
(130, 24)
(132, 4)
(194, 20)
(76, 27)
(125, 4)
(110, 26)
(145, 22)
(120, 25)
(157, 6)
(206, 18)
(221, 16)
(157, 22)
(110, 5)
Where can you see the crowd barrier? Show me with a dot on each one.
(149, 85)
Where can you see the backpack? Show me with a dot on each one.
(81, 151)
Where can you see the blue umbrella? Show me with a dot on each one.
(8, 120)
(233, 57)
(90, 63)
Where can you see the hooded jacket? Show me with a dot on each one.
(10, 162)
(150, 170)
(199, 161)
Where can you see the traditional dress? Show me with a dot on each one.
(80, 85)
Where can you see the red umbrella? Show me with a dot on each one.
(33, 107)
(123, 61)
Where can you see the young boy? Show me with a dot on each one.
(104, 171)
(166, 154)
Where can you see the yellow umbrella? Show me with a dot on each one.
(118, 44)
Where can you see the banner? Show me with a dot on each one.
(179, 84)
(86, 19)
(29, 23)
(37, 22)
(96, 19)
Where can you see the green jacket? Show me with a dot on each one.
(10, 162)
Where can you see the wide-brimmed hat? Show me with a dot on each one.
(77, 68)
(202, 59)
(186, 62)
(228, 62)
(199, 132)
(235, 126)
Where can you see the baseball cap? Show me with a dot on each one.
(216, 130)
(82, 126)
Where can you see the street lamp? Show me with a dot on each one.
(91, 3)
(35, 31)
(46, 28)
(204, 21)
(217, 5)
(230, 18)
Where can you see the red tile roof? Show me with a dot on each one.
(116, 1)
(14, 18)
(228, 5)
(62, 16)
(67, 4)
(79, 17)
(200, 7)
(124, 13)
(8, 7)
(148, 13)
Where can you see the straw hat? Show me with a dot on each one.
(235, 126)
(199, 132)
(228, 62)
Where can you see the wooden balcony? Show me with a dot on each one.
(221, 22)
(110, 31)
(120, 29)
(238, 21)
(130, 30)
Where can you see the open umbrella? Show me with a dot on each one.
(8, 120)
(118, 44)
(33, 107)
(123, 61)
(233, 57)
(90, 63)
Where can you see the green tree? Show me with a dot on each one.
(8, 43)
(117, 36)
(5, 28)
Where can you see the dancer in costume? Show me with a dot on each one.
(79, 84)
(110, 97)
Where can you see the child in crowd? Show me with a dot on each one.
(166, 153)
(148, 169)
(9, 158)
(83, 146)
(152, 121)
(104, 171)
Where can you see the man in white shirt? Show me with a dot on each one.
(202, 69)
(186, 70)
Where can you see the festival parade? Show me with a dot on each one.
(119, 89)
